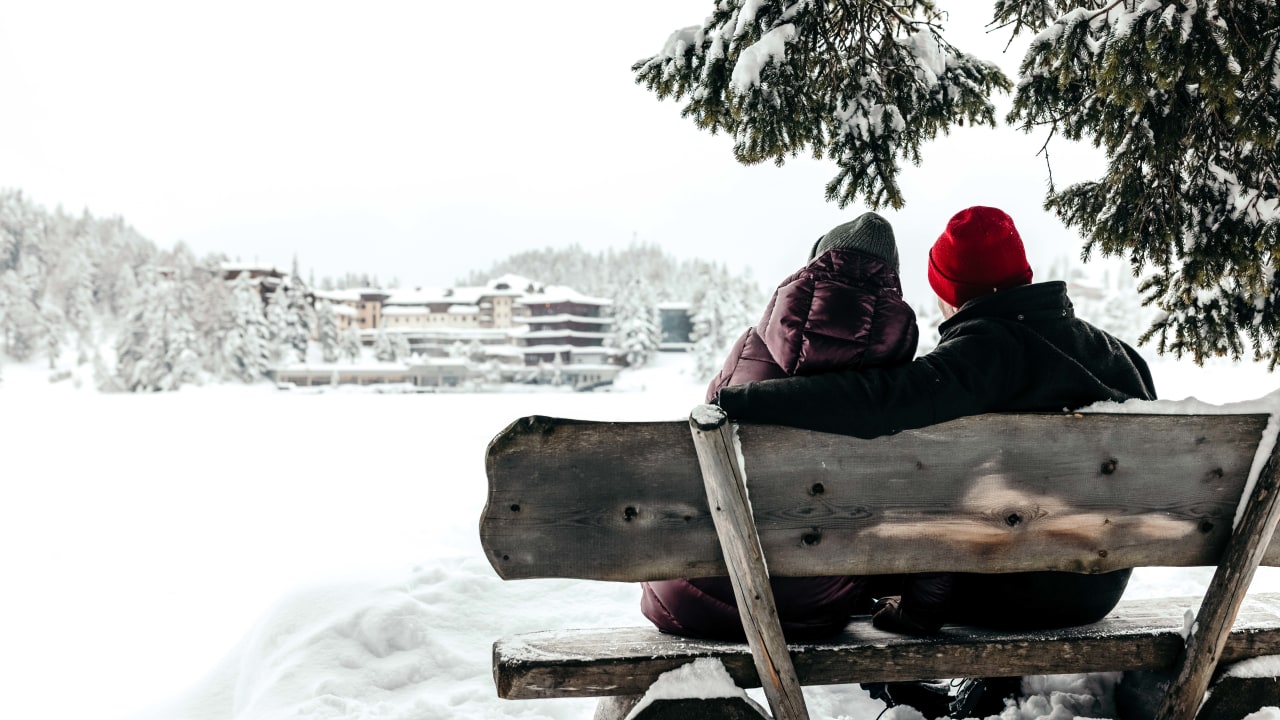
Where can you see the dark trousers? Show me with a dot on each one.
(1010, 601)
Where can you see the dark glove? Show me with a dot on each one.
(889, 615)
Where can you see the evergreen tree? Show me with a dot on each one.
(246, 349)
(20, 316)
(636, 331)
(279, 345)
(53, 325)
(327, 330)
(299, 315)
(157, 350)
(384, 348)
(863, 82)
(124, 290)
(718, 319)
(1184, 98)
(349, 346)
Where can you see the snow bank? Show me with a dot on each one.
(702, 678)
(324, 547)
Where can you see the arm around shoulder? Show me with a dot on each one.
(964, 376)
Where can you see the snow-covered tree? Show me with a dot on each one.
(246, 349)
(157, 348)
(327, 330)
(53, 329)
(299, 315)
(636, 331)
(279, 347)
(123, 291)
(863, 82)
(718, 319)
(1183, 97)
(386, 346)
(350, 344)
(19, 314)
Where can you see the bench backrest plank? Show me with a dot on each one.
(991, 493)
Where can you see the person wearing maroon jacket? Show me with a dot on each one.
(1007, 344)
(842, 310)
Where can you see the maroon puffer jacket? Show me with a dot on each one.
(843, 310)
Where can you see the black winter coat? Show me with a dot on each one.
(1019, 349)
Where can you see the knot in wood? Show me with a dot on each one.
(515, 507)
(1013, 519)
(1206, 527)
(629, 513)
(811, 538)
(1109, 466)
(817, 489)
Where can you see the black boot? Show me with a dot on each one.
(931, 697)
(983, 697)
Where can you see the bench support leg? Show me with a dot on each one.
(1226, 592)
(713, 438)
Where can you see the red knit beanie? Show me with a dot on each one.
(979, 253)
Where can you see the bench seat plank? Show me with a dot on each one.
(1139, 634)
(1090, 493)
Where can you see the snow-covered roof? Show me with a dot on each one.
(345, 310)
(509, 284)
(536, 334)
(506, 285)
(562, 317)
(673, 305)
(229, 266)
(561, 294)
(463, 310)
(419, 296)
(571, 349)
(404, 310)
(338, 296)
(350, 295)
(504, 350)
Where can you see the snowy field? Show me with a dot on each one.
(244, 553)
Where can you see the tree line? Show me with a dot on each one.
(149, 319)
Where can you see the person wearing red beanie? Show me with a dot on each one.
(980, 252)
(1006, 345)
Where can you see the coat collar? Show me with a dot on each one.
(1035, 302)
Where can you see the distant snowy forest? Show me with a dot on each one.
(76, 291)
(84, 292)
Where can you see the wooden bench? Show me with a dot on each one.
(1090, 493)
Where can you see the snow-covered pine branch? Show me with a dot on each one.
(862, 82)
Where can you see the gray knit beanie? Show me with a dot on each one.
(868, 233)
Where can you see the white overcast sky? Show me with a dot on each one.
(422, 140)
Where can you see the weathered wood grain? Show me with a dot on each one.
(619, 661)
(731, 513)
(990, 493)
(1225, 594)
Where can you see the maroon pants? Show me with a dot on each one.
(809, 607)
